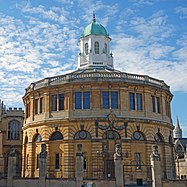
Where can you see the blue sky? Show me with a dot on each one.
(38, 38)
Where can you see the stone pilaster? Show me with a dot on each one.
(119, 166)
(156, 168)
(11, 167)
(42, 166)
(79, 166)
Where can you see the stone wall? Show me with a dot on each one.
(30, 182)
(175, 183)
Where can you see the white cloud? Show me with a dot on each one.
(182, 11)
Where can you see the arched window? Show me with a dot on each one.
(37, 138)
(111, 135)
(96, 47)
(179, 148)
(86, 48)
(56, 136)
(105, 48)
(14, 128)
(158, 137)
(82, 135)
(137, 135)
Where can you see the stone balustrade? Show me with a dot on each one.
(89, 76)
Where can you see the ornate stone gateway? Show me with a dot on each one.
(110, 138)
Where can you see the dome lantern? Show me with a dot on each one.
(95, 47)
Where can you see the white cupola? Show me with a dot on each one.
(94, 47)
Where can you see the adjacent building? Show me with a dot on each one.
(98, 107)
(180, 152)
(11, 121)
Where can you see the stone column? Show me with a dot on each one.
(42, 166)
(118, 161)
(156, 168)
(79, 166)
(11, 167)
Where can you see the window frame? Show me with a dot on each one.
(54, 102)
(14, 130)
(82, 100)
(135, 101)
(137, 157)
(41, 105)
(36, 106)
(96, 47)
(57, 161)
(110, 99)
(61, 101)
(86, 48)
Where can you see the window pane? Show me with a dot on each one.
(96, 47)
(78, 100)
(54, 102)
(57, 161)
(105, 48)
(139, 101)
(86, 48)
(61, 101)
(153, 103)
(41, 105)
(158, 104)
(105, 100)
(138, 160)
(14, 130)
(36, 106)
(114, 100)
(132, 101)
(86, 100)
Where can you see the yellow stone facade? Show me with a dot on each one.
(70, 121)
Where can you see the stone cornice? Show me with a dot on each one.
(103, 76)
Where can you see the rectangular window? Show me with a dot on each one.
(138, 160)
(54, 102)
(105, 100)
(27, 110)
(86, 100)
(132, 101)
(114, 100)
(139, 101)
(57, 161)
(61, 101)
(158, 104)
(84, 162)
(36, 106)
(41, 105)
(153, 103)
(78, 100)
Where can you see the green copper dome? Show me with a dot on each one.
(95, 28)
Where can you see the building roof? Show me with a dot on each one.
(183, 141)
(95, 28)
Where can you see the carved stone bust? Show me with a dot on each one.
(12, 152)
(43, 153)
(118, 153)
